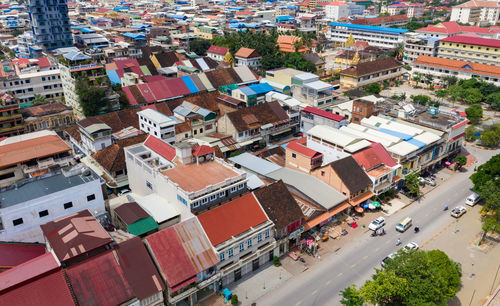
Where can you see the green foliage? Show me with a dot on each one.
(17, 32)
(91, 99)
(199, 46)
(407, 67)
(351, 296)
(385, 289)
(450, 80)
(412, 184)
(493, 100)
(38, 99)
(276, 261)
(474, 113)
(373, 88)
(491, 136)
(234, 299)
(414, 25)
(473, 95)
(460, 161)
(421, 99)
(297, 61)
(123, 100)
(441, 93)
(470, 133)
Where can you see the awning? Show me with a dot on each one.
(361, 199)
(323, 217)
(246, 143)
(281, 132)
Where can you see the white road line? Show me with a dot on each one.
(353, 265)
(340, 274)
(314, 292)
(328, 282)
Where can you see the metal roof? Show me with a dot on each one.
(369, 28)
(332, 135)
(157, 207)
(403, 148)
(254, 163)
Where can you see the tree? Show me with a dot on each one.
(450, 80)
(385, 289)
(441, 93)
(373, 88)
(17, 32)
(412, 184)
(297, 61)
(460, 161)
(421, 99)
(91, 99)
(38, 99)
(473, 95)
(234, 299)
(470, 133)
(491, 137)
(351, 296)
(494, 100)
(271, 61)
(417, 78)
(474, 113)
(199, 46)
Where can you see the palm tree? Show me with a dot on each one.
(417, 78)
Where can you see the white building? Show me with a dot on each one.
(247, 57)
(375, 36)
(336, 10)
(474, 12)
(310, 117)
(157, 124)
(420, 46)
(95, 135)
(36, 201)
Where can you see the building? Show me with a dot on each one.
(336, 10)
(375, 36)
(50, 24)
(30, 155)
(361, 108)
(35, 201)
(415, 47)
(157, 124)
(217, 53)
(242, 236)
(133, 219)
(363, 74)
(441, 68)
(412, 10)
(308, 89)
(11, 120)
(472, 49)
(201, 121)
(95, 135)
(247, 57)
(51, 116)
(290, 44)
(384, 21)
(311, 116)
(206, 32)
(450, 28)
(476, 12)
(318, 62)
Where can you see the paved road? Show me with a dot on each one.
(356, 262)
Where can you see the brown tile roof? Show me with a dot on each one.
(257, 115)
(222, 77)
(74, 132)
(371, 67)
(207, 100)
(168, 59)
(379, 20)
(112, 158)
(457, 65)
(44, 109)
(351, 174)
(183, 127)
(246, 53)
(145, 61)
(131, 212)
(314, 58)
(279, 205)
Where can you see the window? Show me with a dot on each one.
(221, 257)
(148, 184)
(294, 155)
(259, 237)
(43, 213)
(230, 253)
(249, 243)
(204, 201)
(242, 247)
(7, 175)
(70, 204)
(91, 197)
(222, 194)
(213, 197)
(234, 189)
(266, 234)
(17, 222)
(241, 186)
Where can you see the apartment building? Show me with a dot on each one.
(311, 116)
(416, 47)
(450, 28)
(476, 12)
(386, 69)
(470, 49)
(35, 201)
(11, 120)
(336, 10)
(247, 57)
(157, 124)
(19, 159)
(217, 53)
(199, 120)
(375, 36)
(95, 135)
(384, 21)
(247, 241)
(412, 10)
(307, 88)
(441, 68)
(54, 116)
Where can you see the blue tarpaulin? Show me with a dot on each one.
(113, 77)
(416, 143)
(190, 84)
(396, 134)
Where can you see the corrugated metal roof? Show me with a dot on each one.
(254, 163)
(190, 84)
(245, 74)
(208, 85)
(202, 64)
(142, 226)
(403, 148)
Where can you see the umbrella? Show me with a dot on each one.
(447, 163)
(358, 209)
(364, 205)
(371, 206)
(376, 204)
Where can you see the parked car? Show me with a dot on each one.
(123, 192)
(298, 134)
(388, 257)
(430, 181)
(412, 246)
(472, 199)
(458, 211)
(421, 180)
(377, 223)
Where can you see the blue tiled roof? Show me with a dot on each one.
(190, 84)
(396, 134)
(369, 28)
(135, 36)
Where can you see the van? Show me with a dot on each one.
(472, 199)
(404, 225)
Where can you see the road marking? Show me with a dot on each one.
(340, 274)
(314, 292)
(353, 265)
(328, 282)
(365, 257)
(376, 250)
(387, 242)
(298, 303)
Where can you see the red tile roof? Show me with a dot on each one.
(457, 65)
(203, 150)
(451, 27)
(383, 154)
(51, 289)
(172, 259)
(468, 40)
(232, 219)
(323, 113)
(160, 147)
(300, 147)
(217, 50)
(43, 62)
(14, 254)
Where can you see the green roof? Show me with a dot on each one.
(145, 70)
(142, 226)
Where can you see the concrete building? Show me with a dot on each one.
(51, 116)
(450, 28)
(247, 57)
(38, 200)
(412, 10)
(363, 74)
(95, 135)
(336, 10)
(420, 46)
(157, 124)
(470, 49)
(310, 117)
(476, 12)
(375, 36)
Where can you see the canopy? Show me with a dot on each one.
(376, 204)
(358, 209)
(227, 293)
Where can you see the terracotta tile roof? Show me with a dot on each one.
(457, 65)
(379, 20)
(174, 263)
(279, 204)
(246, 53)
(74, 132)
(264, 113)
(217, 50)
(383, 154)
(207, 173)
(468, 40)
(23, 151)
(160, 147)
(451, 27)
(286, 43)
(300, 147)
(44, 109)
(112, 158)
(14, 254)
(75, 234)
(476, 3)
(351, 174)
(203, 150)
(232, 219)
(371, 67)
(367, 158)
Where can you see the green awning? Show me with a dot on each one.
(142, 226)
(376, 204)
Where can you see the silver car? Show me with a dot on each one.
(458, 211)
(430, 181)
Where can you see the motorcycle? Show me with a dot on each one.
(416, 229)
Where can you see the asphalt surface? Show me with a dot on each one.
(356, 262)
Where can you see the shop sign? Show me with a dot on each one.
(297, 232)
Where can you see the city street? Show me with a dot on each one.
(355, 263)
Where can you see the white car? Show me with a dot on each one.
(421, 180)
(390, 256)
(377, 223)
(412, 246)
(123, 192)
(430, 181)
(458, 211)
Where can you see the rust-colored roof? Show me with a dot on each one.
(371, 67)
(195, 177)
(264, 113)
(457, 65)
(112, 158)
(246, 53)
(23, 151)
(131, 212)
(300, 147)
(232, 219)
(44, 109)
(161, 148)
(203, 150)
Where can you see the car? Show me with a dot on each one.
(421, 180)
(412, 246)
(388, 257)
(430, 181)
(472, 199)
(377, 223)
(123, 192)
(77, 157)
(298, 134)
(458, 211)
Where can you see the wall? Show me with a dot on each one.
(299, 162)
(327, 175)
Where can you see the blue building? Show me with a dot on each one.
(50, 24)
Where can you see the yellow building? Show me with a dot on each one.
(363, 74)
(471, 49)
(205, 32)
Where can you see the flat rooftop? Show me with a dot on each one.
(40, 186)
(195, 177)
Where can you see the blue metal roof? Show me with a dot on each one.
(113, 77)
(190, 84)
(261, 88)
(247, 91)
(416, 143)
(396, 134)
(369, 28)
(135, 36)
